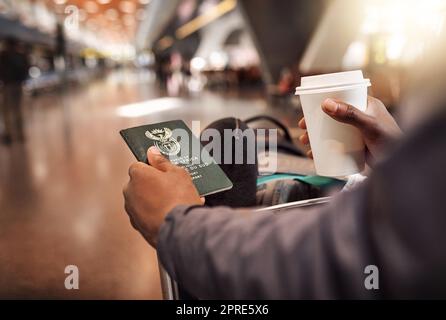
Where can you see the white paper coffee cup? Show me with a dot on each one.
(338, 148)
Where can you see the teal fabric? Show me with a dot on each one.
(316, 181)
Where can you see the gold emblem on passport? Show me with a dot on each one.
(164, 141)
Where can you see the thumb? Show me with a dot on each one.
(157, 160)
(346, 113)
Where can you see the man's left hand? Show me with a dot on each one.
(154, 190)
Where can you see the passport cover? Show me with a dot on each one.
(184, 150)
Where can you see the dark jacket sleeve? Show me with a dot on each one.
(395, 221)
(222, 253)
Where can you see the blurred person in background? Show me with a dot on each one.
(286, 83)
(14, 68)
(394, 221)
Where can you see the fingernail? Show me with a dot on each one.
(330, 105)
(154, 150)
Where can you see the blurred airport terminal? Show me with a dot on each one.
(75, 72)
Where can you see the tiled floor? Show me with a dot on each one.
(60, 192)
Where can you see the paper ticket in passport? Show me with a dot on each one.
(176, 142)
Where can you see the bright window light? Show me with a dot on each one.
(404, 25)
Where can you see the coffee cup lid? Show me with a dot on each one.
(332, 82)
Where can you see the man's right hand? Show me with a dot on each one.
(376, 124)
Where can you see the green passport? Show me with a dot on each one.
(176, 142)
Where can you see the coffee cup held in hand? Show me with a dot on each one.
(338, 148)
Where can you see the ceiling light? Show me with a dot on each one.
(127, 6)
(128, 20)
(91, 7)
(82, 15)
(91, 24)
(112, 14)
